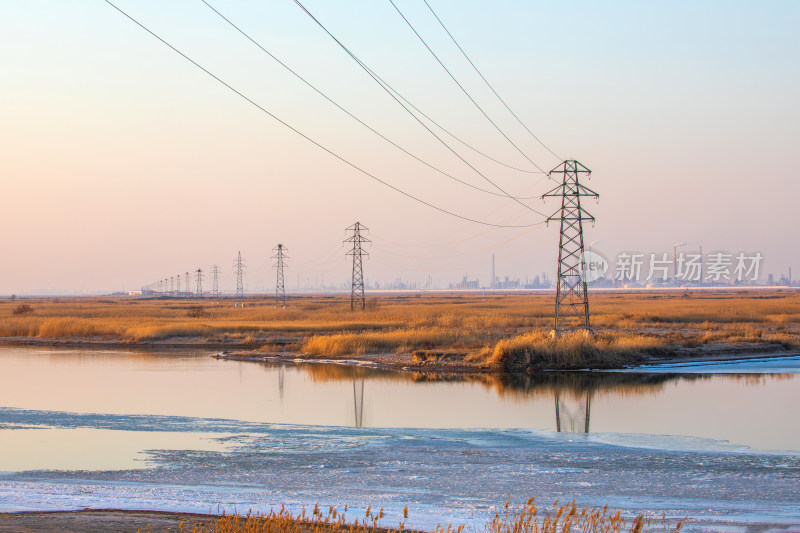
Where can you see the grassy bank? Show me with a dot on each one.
(542, 350)
(527, 518)
(501, 331)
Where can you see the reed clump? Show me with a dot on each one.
(569, 517)
(527, 518)
(570, 350)
(394, 341)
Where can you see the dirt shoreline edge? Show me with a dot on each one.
(98, 521)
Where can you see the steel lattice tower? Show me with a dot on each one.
(357, 290)
(215, 283)
(239, 265)
(198, 276)
(188, 286)
(280, 290)
(572, 298)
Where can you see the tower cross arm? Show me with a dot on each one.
(558, 216)
(583, 190)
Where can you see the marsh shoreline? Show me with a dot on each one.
(431, 333)
(106, 520)
(233, 351)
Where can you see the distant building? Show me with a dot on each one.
(466, 284)
(537, 282)
(134, 293)
(507, 284)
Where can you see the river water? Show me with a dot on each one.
(179, 430)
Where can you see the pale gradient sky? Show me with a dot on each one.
(121, 163)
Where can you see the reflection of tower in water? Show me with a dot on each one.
(358, 402)
(281, 377)
(573, 412)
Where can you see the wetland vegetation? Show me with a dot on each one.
(498, 332)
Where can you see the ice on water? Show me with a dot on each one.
(444, 475)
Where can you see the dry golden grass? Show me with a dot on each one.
(526, 518)
(397, 340)
(627, 323)
(568, 517)
(539, 349)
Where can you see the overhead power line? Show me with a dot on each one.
(448, 132)
(487, 81)
(469, 96)
(384, 86)
(312, 141)
(393, 92)
(350, 114)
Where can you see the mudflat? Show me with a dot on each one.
(98, 521)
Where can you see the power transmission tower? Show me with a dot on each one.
(172, 285)
(280, 291)
(198, 276)
(239, 265)
(215, 283)
(357, 291)
(188, 287)
(178, 286)
(572, 298)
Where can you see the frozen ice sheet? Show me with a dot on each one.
(444, 475)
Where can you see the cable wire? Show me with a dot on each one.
(309, 139)
(437, 243)
(471, 99)
(487, 81)
(348, 113)
(448, 132)
(369, 71)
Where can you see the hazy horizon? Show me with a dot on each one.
(123, 164)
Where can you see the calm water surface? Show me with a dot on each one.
(745, 410)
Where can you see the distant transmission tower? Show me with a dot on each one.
(178, 286)
(198, 276)
(188, 286)
(280, 291)
(215, 283)
(172, 286)
(572, 298)
(357, 291)
(239, 265)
